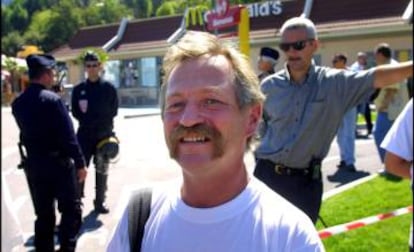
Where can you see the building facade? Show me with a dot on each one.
(136, 47)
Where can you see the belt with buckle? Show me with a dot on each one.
(284, 170)
(290, 171)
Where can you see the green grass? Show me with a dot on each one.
(361, 120)
(379, 195)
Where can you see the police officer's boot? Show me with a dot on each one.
(99, 202)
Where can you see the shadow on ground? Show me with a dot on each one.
(343, 176)
(90, 223)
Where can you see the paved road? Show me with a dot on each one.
(143, 160)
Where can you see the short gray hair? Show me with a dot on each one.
(300, 23)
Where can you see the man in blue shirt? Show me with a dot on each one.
(303, 109)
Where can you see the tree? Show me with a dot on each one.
(108, 11)
(65, 20)
(140, 8)
(18, 18)
(37, 31)
(113, 11)
(5, 17)
(144, 8)
(16, 70)
(11, 43)
(174, 7)
(167, 9)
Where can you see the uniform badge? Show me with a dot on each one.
(83, 105)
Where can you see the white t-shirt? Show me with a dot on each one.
(256, 220)
(399, 139)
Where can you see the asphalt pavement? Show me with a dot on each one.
(144, 159)
(368, 164)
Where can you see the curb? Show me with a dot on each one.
(140, 115)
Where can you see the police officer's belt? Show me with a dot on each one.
(52, 154)
(285, 170)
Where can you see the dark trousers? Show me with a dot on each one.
(49, 182)
(88, 140)
(365, 110)
(302, 191)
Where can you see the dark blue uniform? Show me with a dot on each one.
(94, 105)
(53, 154)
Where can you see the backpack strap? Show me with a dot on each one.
(139, 208)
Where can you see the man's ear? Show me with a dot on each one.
(255, 115)
(316, 45)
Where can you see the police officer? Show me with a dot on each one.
(54, 163)
(94, 105)
(267, 61)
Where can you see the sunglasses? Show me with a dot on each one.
(298, 45)
(91, 65)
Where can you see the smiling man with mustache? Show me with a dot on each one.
(304, 107)
(211, 105)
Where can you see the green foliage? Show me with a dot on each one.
(111, 11)
(51, 23)
(361, 119)
(379, 195)
(11, 43)
(11, 65)
(167, 9)
(64, 22)
(38, 28)
(5, 27)
(18, 17)
(144, 8)
(243, 1)
(102, 54)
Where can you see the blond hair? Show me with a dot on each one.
(196, 44)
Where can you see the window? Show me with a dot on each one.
(149, 72)
(111, 72)
(137, 80)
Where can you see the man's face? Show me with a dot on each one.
(92, 68)
(380, 59)
(338, 63)
(299, 58)
(264, 65)
(362, 60)
(50, 79)
(203, 126)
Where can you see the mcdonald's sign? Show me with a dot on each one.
(217, 21)
(195, 16)
(223, 14)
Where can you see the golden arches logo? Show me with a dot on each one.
(195, 16)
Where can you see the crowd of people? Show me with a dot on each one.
(208, 87)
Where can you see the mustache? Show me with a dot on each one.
(294, 58)
(212, 134)
(199, 129)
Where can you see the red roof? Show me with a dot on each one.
(152, 33)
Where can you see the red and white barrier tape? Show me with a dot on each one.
(328, 232)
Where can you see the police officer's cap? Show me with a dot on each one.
(40, 61)
(270, 53)
(91, 56)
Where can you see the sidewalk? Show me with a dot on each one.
(368, 163)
